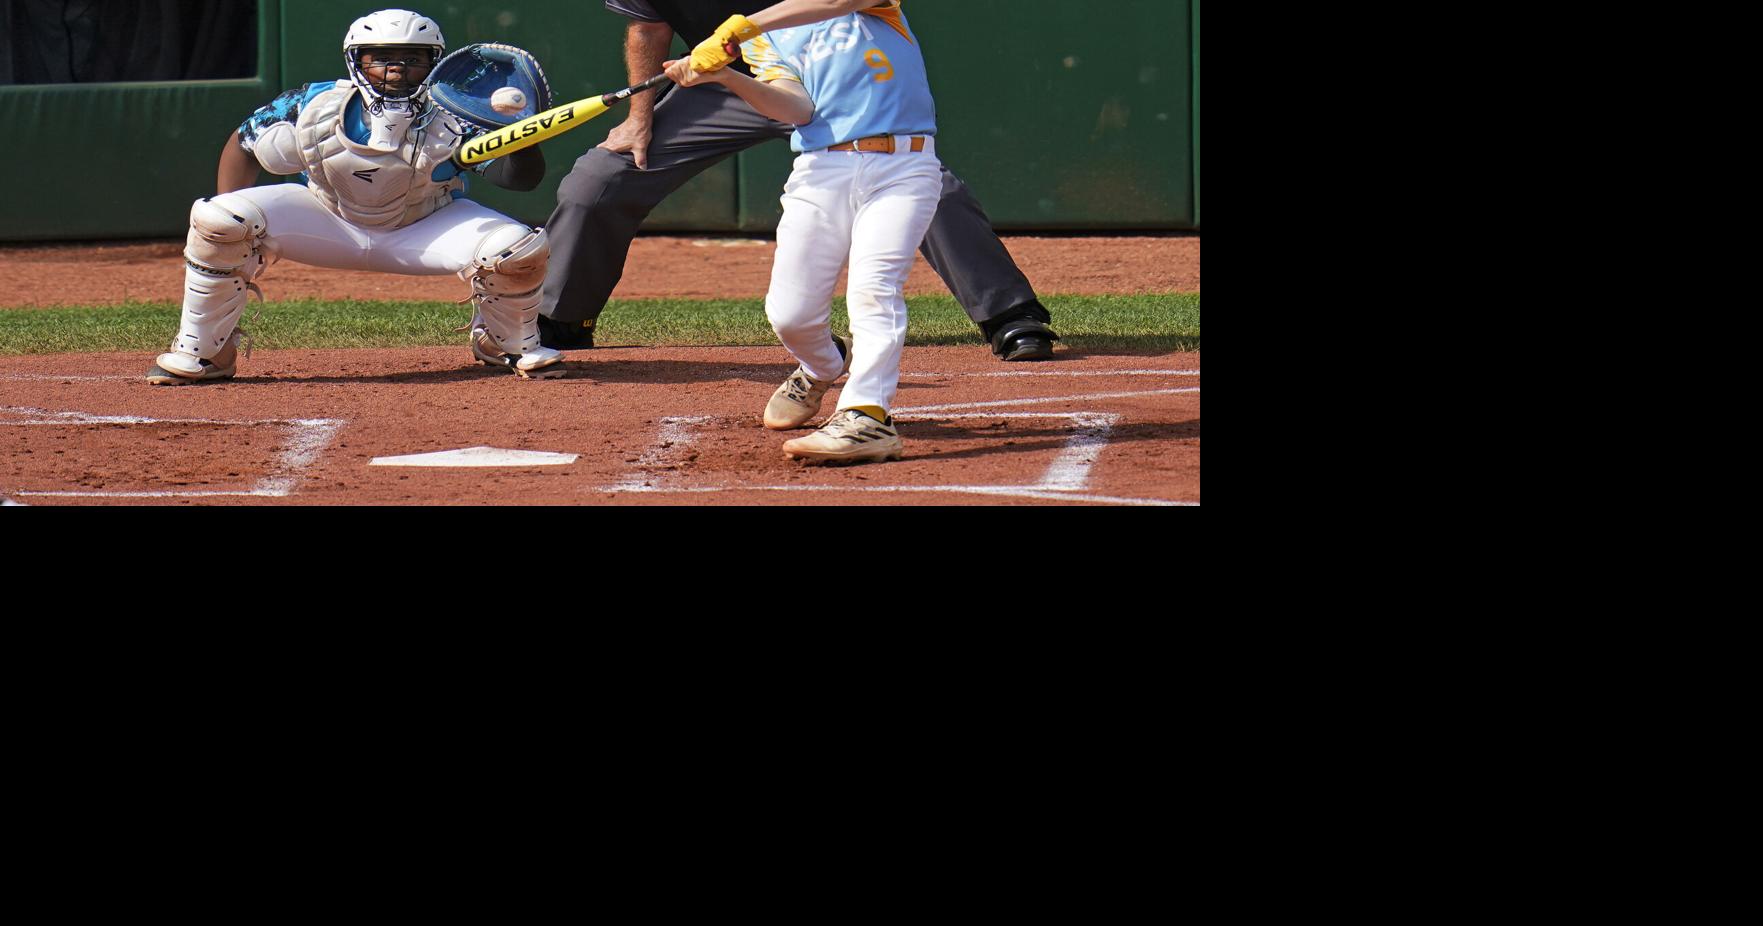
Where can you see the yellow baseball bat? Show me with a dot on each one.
(548, 124)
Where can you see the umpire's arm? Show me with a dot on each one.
(645, 47)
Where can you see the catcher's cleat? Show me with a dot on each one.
(543, 363)
(176, 368)
(849, 437)
(558, 335)
(797, 401)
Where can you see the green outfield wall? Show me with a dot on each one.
(1059, 120)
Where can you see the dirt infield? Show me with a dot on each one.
(629, 426)
(646, 426)
(689, 268)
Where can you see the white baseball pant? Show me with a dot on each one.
(301, 229)
(872, 209)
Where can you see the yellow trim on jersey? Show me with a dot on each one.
(890, 14)
(762, 59)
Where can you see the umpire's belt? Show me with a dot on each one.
(884, 144)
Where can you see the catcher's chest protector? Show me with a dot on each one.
(371, 188)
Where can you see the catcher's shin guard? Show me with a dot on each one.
(223, 254)
(506, 276)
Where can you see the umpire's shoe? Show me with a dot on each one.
(558, 335)
(1022, 334)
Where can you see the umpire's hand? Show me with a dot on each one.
(632, 135)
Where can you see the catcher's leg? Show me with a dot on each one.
(506, 274)
(223, 254)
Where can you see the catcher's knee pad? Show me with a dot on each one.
(226, 236)
(512, 258)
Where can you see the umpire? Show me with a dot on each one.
(661, 145)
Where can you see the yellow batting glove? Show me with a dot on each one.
(723, 46)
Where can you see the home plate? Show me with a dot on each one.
(478, 456)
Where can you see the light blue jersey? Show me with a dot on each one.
(863, 71)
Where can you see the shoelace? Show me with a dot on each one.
(799, 385)
(847, 425)
(245, 338)
(853, 424)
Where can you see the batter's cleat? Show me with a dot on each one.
(797, 401)
(849, 436)
(543, 363)
(176, 368)
(577, 335)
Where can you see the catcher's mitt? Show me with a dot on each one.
(465, 83)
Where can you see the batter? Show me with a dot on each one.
(864, 188)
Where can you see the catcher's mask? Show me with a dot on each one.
(464, 82)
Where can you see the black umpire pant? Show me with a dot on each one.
(605, 197)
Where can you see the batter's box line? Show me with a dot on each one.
(1061, 373)
(309, 439)
(105, 378)
(1065, 478)
(38, 377)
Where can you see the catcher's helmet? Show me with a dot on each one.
(390, 27)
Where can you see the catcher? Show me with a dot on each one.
(382, 192)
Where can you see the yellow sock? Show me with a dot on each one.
(873, 411)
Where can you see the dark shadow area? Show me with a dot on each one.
(674, 371)
(1012, 436)
(463, 374)
(102, 41)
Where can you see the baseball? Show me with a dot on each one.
(508, 100)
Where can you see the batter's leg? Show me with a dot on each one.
(890, 220)
(813, 239)
(964, 250)
(604, 199)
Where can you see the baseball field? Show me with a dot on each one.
(359, 390)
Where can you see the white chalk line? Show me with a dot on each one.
(70, 378)
(904, 375)
(674, 437)
(1070, 470)
(1064, 373)
(1005, 403)
(309, 439)
(1064, 479)
(1033, 491)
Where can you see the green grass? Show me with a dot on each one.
(1148, 323)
